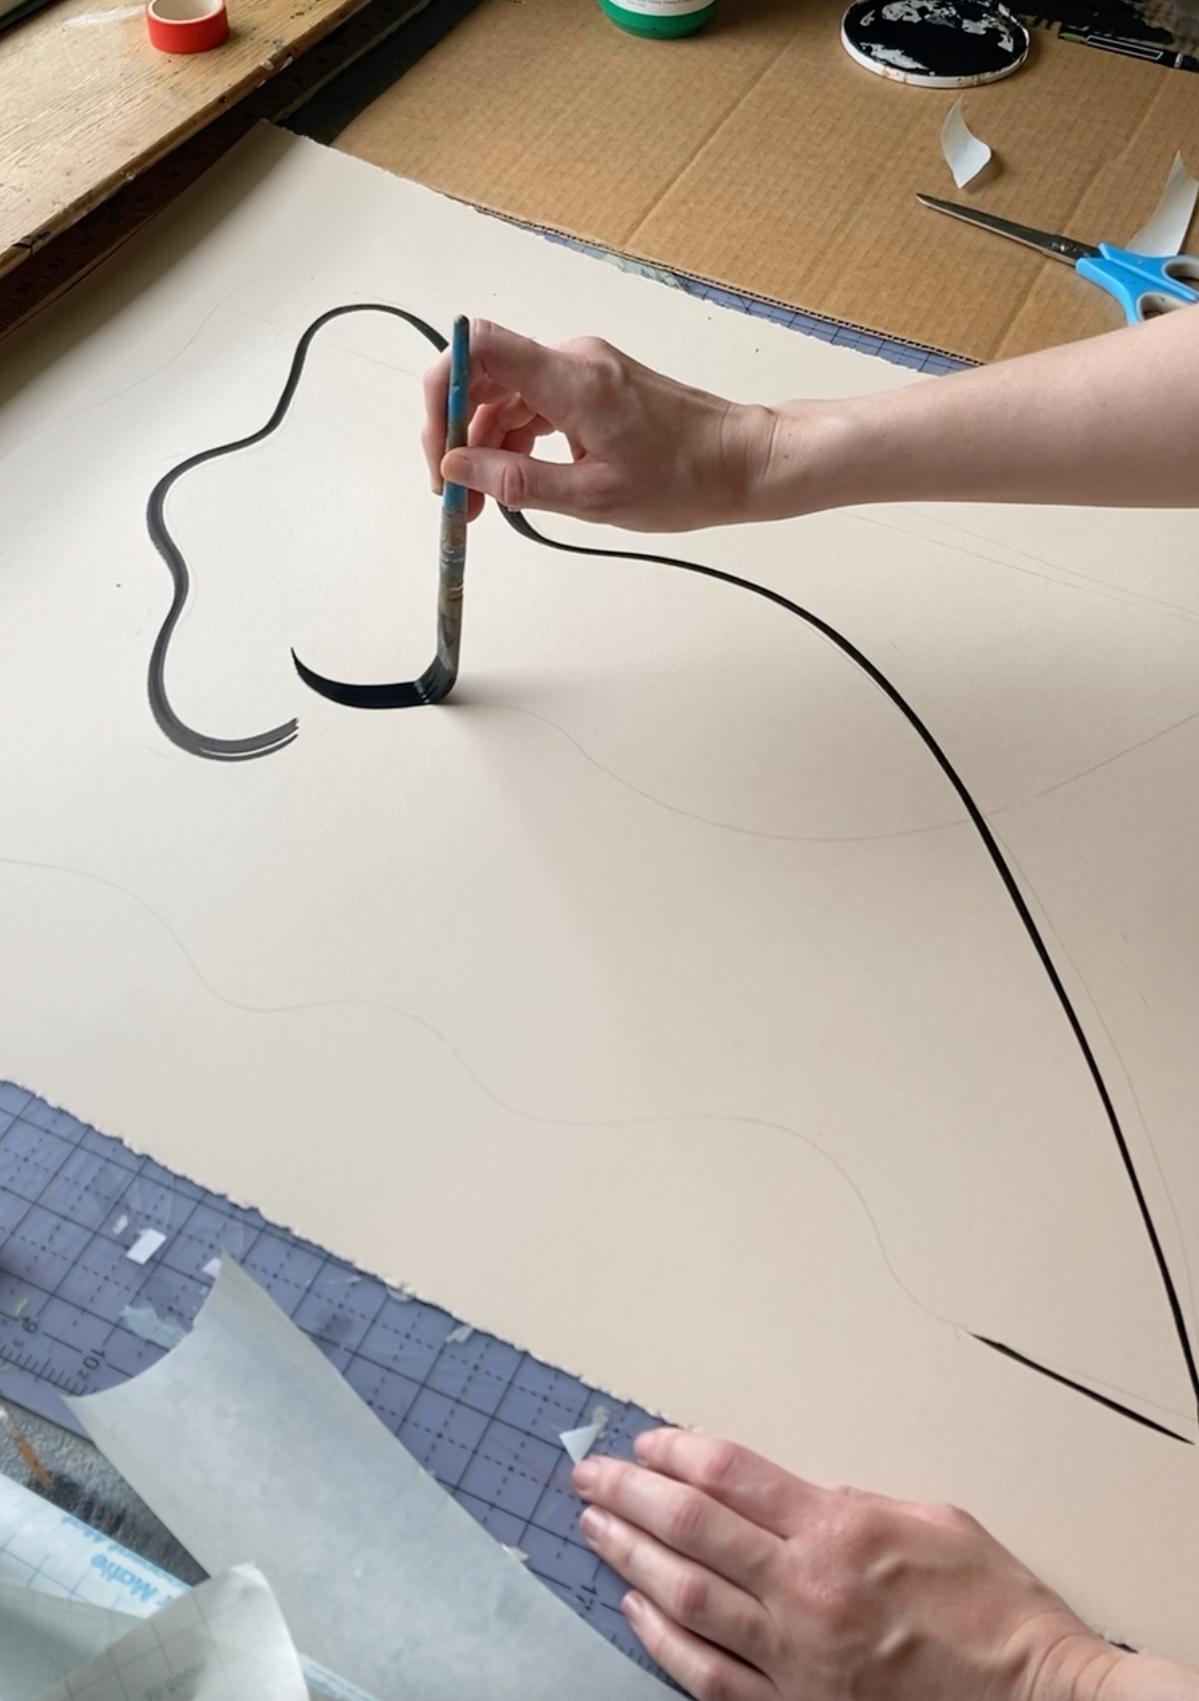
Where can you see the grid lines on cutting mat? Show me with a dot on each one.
(481, 1416)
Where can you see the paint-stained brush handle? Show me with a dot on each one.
(439, 680)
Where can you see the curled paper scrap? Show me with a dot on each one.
(226, 1636)
(579, 1442)
(1165, 232)
(965, 153)
(44, 1636)
(68, 1593)
(245, 1439)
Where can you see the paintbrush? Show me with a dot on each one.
(439, 681)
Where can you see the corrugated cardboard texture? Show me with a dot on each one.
(758, 156)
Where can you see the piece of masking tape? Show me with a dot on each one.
(1165, 231)
(148, 1242)
(965, 153)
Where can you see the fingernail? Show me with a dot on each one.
(594, 1524)
(632, 1606)
(584, 1477)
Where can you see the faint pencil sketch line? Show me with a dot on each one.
(540, 1119)
(990, 843)
(708, 820)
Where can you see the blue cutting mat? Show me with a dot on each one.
(481, 1416)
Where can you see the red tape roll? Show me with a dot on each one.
(187, 26)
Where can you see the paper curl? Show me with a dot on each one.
(965, 153)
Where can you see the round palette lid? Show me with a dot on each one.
(935, 44)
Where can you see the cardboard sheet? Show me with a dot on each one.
(757, 155)
(653, 1003)
(245, 1439)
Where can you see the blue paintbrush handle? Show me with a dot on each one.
(457, 407)
(453, 517)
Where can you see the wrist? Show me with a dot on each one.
(805, 456)
(1077, 1665)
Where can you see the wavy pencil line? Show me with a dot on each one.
(540, 1119)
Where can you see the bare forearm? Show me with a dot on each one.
(1113, 421)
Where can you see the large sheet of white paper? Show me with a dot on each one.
(653, 1003)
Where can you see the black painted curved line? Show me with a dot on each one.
(406, 694)
(1081, 1388)
(520, 524)
(177, 730)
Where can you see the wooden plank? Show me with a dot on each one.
(88, 103)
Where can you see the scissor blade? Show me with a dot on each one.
(1055, 247)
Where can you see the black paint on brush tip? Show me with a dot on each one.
(936, 38)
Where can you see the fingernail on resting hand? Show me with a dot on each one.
(584, 1477)
(594, 1524)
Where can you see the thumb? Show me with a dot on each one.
(521, 481)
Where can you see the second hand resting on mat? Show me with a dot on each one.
(748, 1584)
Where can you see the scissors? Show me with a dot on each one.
(1144, 285)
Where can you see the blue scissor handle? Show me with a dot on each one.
(1143, 284)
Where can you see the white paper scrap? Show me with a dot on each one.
(46, 1553)
(1165, 232)
(143, 1320)
(146, 1245)
(245, 1440)
(50, 1552)
(44, 1637)
(212, 1269)
(225, 1637)
(965, 153)
(579, 1442)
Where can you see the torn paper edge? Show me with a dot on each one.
(1165, 231)
(965, 153)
